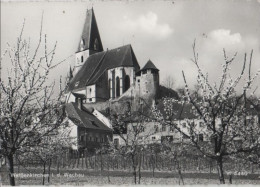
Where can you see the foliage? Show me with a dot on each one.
(29, 110)
(227, 123)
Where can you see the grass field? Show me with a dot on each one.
(93, 177)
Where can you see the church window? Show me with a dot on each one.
(109, 87)
(117, 87)
(127, 82)
(82, 59)
(90, 90)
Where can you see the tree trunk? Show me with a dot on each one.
(134, 168)
(230, 179)
(49, 170)
(43, 173)
(180, 174)
(139, 169)
(10, 159)
(86, 160)
(58, 165)
(101, 162)
(108, 164)
(220, 170)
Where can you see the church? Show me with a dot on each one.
(102, 78)
(102, 75)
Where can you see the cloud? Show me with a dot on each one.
(147, 25)
(224, 37)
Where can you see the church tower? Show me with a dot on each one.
(147, 82)
(90, 41)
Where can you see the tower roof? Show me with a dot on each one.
(149, 65)
(90, 34)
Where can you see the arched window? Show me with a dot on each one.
(117, 87)
(127, 82)
(109, 87)
(82, 58)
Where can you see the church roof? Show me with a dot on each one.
(90, 33)
(83, 118)
(97, 64)
(149, 65)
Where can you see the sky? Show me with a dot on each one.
(162, 31)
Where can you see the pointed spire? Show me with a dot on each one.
(149, 65)
(90, 38)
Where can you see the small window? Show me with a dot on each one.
(90, 90)
(116, 142)
(90, 99)
(153, 138)
(82, 59)
(184, 125)
(201, 137)
(138, 80)
(163, 128)
(144, 71)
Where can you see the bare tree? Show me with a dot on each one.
(228, 124)
(55, 144)
(29, 110)
(131, 127)
(169, 82)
